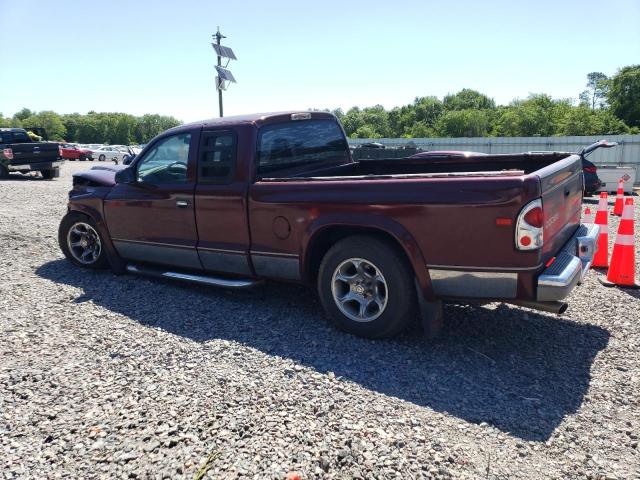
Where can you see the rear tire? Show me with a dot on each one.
(47, 174)
(366, 287)
(4, 173)
(101, 158)
(81, 242)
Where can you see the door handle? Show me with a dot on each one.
(182, 203)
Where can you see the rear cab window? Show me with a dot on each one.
(217, 162)
(300, 143)
(14, 137)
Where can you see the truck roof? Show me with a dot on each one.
(12, 129)
(255, 119)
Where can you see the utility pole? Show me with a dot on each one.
(219, 36)
(224, 76)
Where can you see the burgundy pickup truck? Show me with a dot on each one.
(237, 200)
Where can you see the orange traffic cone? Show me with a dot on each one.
(617, 208)
(601, 258)
(588, 216)
(622, 271)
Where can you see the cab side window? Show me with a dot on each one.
(166, 162)
(217, 162)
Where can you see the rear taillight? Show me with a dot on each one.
(590, 169)
(8, 153)
(529, 227)
(534, 217)
(59, 150)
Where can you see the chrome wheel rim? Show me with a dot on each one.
(84, 243)
(359, 290)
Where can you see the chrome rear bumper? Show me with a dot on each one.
(570, 266)
(21, 167)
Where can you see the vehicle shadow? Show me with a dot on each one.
(517, 370)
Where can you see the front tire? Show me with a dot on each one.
(47, 174)
(366, 287)
(101, 158)
(4, 173)
(81, 242)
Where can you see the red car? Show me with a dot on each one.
(237, 200)
(73, 152)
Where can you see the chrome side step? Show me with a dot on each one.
(193, 278)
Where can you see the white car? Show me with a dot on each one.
(112, 152)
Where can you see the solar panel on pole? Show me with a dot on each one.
(225, 74)
(225, 52)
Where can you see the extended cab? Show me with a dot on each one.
(19, 153)
(236, 200)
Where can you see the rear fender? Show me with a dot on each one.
(369, 222)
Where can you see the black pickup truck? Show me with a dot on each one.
(19, 153)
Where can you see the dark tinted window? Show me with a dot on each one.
(301, 142)
(217, 157)
(14, 137)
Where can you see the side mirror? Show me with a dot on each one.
(128, 160)
(126, 175)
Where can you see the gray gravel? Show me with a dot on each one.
(124, 377)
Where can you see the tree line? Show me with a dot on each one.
(607, 106)
(110, 128)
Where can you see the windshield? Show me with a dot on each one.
(298, 143)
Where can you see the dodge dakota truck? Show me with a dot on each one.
(238, 200)
(19, 153)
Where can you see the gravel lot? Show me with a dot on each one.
(105, 376)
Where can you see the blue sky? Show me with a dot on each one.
(155, 56)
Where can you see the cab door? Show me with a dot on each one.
(152, 219)
(221, 201)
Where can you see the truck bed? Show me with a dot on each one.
(451, 206)
(485, 165)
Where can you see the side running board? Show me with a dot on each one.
(193, 278)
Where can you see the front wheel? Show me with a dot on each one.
(4, 173)
(81, 242)
(366, 287)
(101, 158)
(48, 174)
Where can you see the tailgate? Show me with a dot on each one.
(561, 184)
(30, 153)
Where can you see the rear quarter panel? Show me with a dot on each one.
(440, 222)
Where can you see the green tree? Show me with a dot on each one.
(467, 99)
(597, 90)
(366, 131)
(50, 121)
(624, 95)
(23, 114)
(148, 126)
(463, 123)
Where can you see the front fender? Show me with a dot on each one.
(92, 207)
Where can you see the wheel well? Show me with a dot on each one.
(328, 237)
